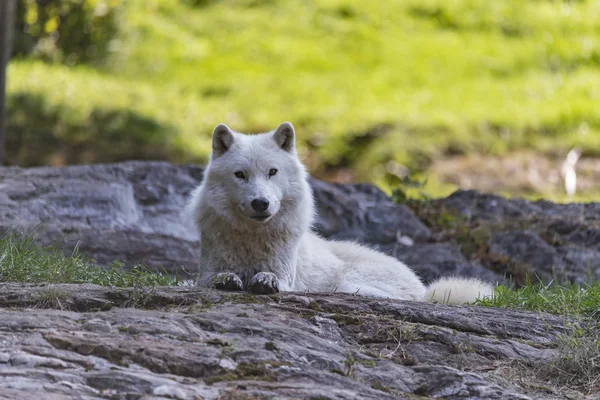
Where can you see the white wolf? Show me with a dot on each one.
(254, 210)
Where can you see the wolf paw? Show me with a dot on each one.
(227, 281)
(264, 283)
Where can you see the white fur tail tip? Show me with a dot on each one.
(456, 290)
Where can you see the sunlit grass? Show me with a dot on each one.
(412, 79)
(571, 299)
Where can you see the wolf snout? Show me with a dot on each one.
(260, 205)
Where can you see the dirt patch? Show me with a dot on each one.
(520, 173)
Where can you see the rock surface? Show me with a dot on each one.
(88, 342)
(539, 239)
(131, 212)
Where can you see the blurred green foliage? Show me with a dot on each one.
(374, 88)
(68, 31)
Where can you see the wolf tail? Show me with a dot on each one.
(457, 290)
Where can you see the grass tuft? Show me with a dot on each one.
(22, 259)
(571, 299)
(578, 362)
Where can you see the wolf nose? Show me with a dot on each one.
(260, 204)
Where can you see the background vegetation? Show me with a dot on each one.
(376, 90)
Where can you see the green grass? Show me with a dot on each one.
(365, 83)
(570, 299)
(22, 260)
(578, 361)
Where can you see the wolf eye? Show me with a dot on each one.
(272, 171)
(239, 174)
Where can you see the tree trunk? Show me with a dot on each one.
(7, 12)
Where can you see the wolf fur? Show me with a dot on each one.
(254, 211)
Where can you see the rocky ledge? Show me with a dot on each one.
(92, 342)
(131, 212)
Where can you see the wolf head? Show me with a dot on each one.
(254, 179)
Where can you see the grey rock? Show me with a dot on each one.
(527, 247)
(129, 211)
(189, 343)
(582, 264)
(475, 205)
(568, 263)
(547, 241)
(363, 212)
(432, 260)
(472, 204)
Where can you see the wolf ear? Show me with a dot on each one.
(285, 136)
(222, 139)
